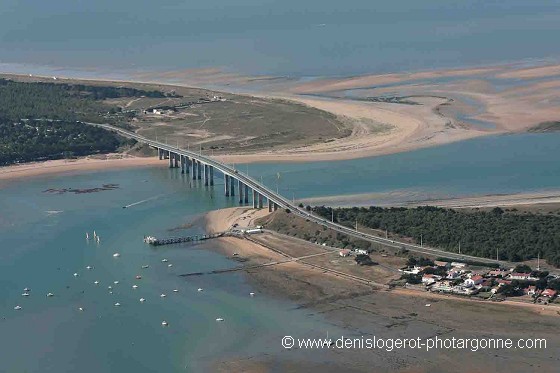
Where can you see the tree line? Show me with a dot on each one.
(514, 237)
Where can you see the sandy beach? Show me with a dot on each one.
(70, 166)
(363, 310)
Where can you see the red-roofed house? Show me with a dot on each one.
(530, 291)
(475, 280)
(549, 293)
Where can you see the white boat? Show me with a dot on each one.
(97, 239)
(94, 234)
(80, 309)
(145, 266)
(89, 267)
(142, 300)
(109, 287)
(110, 292)
(170, 265)
(116, 255)
(252, 294)
(17, 308)
(25, 295)
(115, 282)
(164, 260)
(175, 290)
(163, 295)
(50, 294)
(164, 323)
(117, 304)
(26, 290)
(96, 282)
(200, 289)
(76, 275)
(219, 319)
(135, 286)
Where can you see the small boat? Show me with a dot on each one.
(50, 294)
(164, 260)
(163, 295)
(96, 282)
(138, 277)
(116, 255)
(76, 275)
(252, 294)
(110, 292)
(164, 323)
(80, 309)
(170, 265)
(87, 236)
(142, 300)
(25, 295)
(89, 267)
(219, 319)
(94, 234)
(200, 289)
(175, 290)
(26, 290)
(117, 304)
(115, 282)
(17, 308)
(145, 266)
(109, 287)
(135, 286)
(97, 239)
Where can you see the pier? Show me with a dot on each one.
(174, 240)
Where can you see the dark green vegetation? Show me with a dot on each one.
(546, 127)
(517, 237)
(34, 140)
(42, 120)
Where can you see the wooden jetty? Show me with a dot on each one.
(174, 240)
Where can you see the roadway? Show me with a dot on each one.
(287, 204)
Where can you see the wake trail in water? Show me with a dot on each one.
(144, 200)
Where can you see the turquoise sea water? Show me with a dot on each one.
(43, 245)
(289, 37)
(488, 165)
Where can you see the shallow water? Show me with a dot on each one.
(43, 245)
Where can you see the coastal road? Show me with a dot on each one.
(285, 203)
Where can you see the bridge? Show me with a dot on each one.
(202, 167)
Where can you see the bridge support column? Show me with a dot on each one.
(260, 201)
(187, 165)
(194, 168)
(170, 160)
(211, 175)
(232, 186)
(241, 190)
(255, 199)
(274, 206)
(269, 206)
(176, 160)
(226, 184)
(182, 158)
(199, 171)
(246, 200)
(166, 154)
(206, 175)
(160, 154)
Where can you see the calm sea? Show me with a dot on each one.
(289, 37)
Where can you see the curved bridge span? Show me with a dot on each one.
(202, 167)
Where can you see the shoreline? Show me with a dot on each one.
(64, 166)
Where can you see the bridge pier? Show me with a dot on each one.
(232, 186)
(176, 160)
(226, 184)
(255, 199)
(260, 201)
(187, 165)
(170, 160)
(199, 171)
(206, 175)
(269, 206)
(211, 175)
(246, 200)
(194, 168)
(241, 190)
(182, 158)
(160, 153)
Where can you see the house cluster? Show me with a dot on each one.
(347, 252)
(457, 278)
